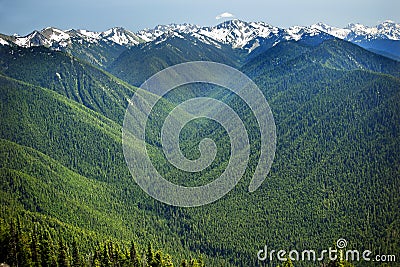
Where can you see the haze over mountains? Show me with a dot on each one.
(63, 96)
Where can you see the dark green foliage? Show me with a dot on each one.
(134, 257)
(150, 255)
(68, 76)
(17, 243)
(288, 263)
(63, 257)
(35, 247)
(101, 55)
(339, 263)
(76, 257)
(47, 249)
(141, 62)
(335, 175)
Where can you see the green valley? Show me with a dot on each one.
(67, 194)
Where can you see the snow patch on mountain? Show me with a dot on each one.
(149, 35)
(3, 42)
(91, 35)
(166, 36)
(336, 32)
(355, 32)
(53, 37)
(121, 36)
(206, 40)
(236, 33)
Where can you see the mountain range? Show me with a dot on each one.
(65, 186)
(251, 37)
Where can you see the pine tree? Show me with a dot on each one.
(96, 259)
(201, 261)
(183, 263)
(12, 258)
(149, 255)
(133, 256)
(340, 263)
(194, 263)
(48, 257)
(36, 255)
(63, 260)
(119, 257)
(158, 260)
(4, 240)
(168, 261)
(76, 259)
(105, 258)
(22, 247)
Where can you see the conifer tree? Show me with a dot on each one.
(149, 255)
(105, 258)
(23, 251)
(201, 261)
(158, 260)
(133, 256)
(12, 247)
(76, 259)
(48, 257)
(183, 263)
(63, 259)
(36, 253)
(194, 263)
(168, 261)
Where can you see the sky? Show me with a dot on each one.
(24, 16)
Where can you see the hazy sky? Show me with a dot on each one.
(23, 16)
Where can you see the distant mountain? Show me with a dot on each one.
(53, 37)
(102, 48)
(383, 39)
(138, 63)
(98, 48)
(388, 30)
(286, 57)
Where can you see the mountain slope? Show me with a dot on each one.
(289, 57)
(67, 76)
(102, 48)
(141, 62)
(64, 161)
(335, 175)
(383, 39)
(98, 48)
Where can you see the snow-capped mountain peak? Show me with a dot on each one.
(53, 37)
(35, 38)
(297, 32)
(236, 33)
(149, 35)
(356, 32)
(336, 32)
(390, 29)
(121, 36)
(89, 34)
